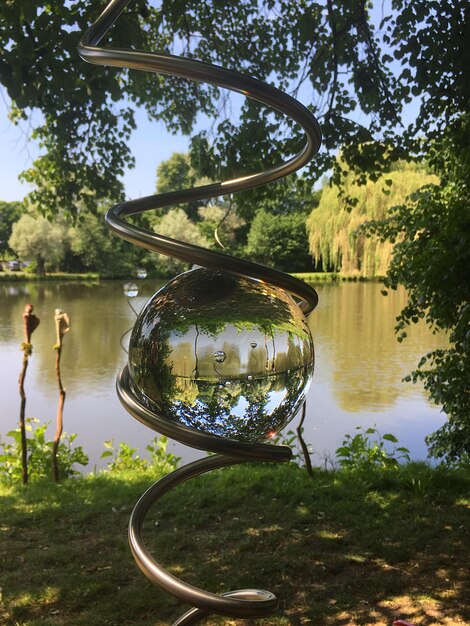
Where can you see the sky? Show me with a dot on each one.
(150, 143)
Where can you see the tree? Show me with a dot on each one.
(10, 212)
(221, 226)
(328, 51)
(432, 230)
(81, 131)
(336, 239)
(92, 249)
(432, 259)
(280, 241)
(175, 174)
(176, 224)
(36, 238)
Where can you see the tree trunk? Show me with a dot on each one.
(40, 266)
(303, 445)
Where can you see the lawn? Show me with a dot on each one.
(339, 548)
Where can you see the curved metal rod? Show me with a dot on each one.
(247, 603)
(190, 436)
(234, 81)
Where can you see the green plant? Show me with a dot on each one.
(39, 452)
(123, 458)
(159, 455)
(126, 458)
(289, 439)
(419, 479)
(31, 268)
(361, 451)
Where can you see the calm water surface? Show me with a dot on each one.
(359, 366)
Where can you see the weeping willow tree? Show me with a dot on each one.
(336, 240)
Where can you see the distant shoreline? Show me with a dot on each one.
(308, 277)
(332, 277)
(14, 277)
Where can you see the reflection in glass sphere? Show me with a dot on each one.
(131, 290)
(219, 356)
(226, 355)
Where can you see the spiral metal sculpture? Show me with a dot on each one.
(152, 386)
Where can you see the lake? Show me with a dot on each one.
(357, 382)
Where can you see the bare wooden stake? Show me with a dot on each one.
(30, 323)
(303, 445)
(62, 325)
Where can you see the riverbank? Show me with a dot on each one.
(333, 277)
(13, 277)
(309, 277)
(341, 548)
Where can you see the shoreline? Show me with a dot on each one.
(308, 277)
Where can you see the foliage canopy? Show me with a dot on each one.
(39, 239)
(432, 259)
(279, 241)
(10, 212)
(335, 237)
(332, 54)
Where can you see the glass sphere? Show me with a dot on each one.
(229, 356)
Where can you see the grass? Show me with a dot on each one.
(341, 548)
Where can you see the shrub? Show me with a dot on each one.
(39, 454)
(362, 452)
(126, 458)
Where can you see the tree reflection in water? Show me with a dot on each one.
(226, 355)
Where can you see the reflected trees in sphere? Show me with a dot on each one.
(226, 355)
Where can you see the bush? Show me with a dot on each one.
(362, 452)
(39, 454)
(126, 458)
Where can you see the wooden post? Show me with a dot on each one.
(303, 445)
(30, 323)
(62, 325)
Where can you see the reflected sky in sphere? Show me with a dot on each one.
(229, 356)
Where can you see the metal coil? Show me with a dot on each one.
(247, 603)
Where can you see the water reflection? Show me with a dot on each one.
(228, 356)
(359, 364)
(365, 362)
(99, 316)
